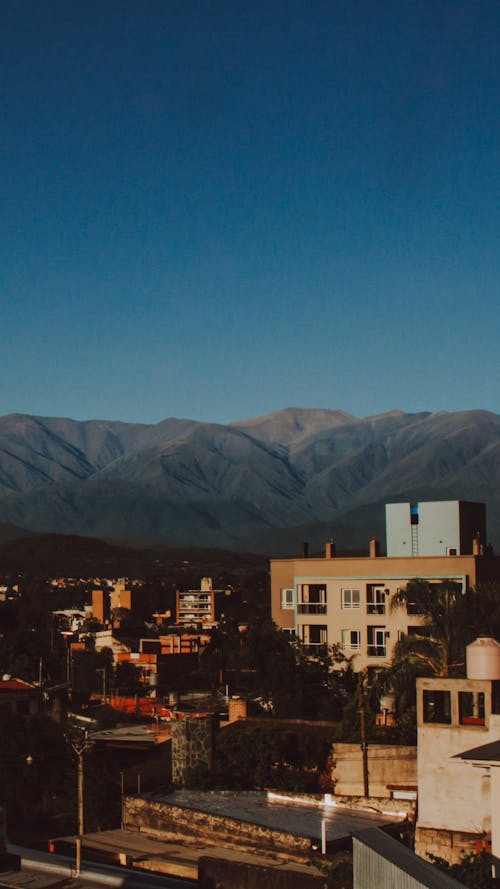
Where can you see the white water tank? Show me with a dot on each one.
(483, 658)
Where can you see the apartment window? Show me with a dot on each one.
(471, 707)
(312, 598)
(416, 630)
(414, 608)
(290, 633)
(351, 599)
(376, 641)
(314, 638)
(351, 640)
(437, 707)
(375, 599)
(287, 598)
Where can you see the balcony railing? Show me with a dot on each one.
(413, 608)
(377, 651)
(375, 608)
(315, 649)
(311, 608)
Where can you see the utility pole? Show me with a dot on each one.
(80, 748)
(103, 671)
(362, 722)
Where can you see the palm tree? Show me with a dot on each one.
(439, 648)
(436, 647)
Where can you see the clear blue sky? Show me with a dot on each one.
(218, 209)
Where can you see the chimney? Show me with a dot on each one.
(305, 550)
(374, 548)
(476, 545)
(330, 551)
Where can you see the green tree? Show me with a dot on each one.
(436, 648)
(450, 620)
(439, 647)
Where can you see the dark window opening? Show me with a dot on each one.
(495, 697)
(418, 631)
(376, 641)
(313, 599)
(375, 599)
(437, 707)
(471, 707)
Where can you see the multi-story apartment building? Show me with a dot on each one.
(196, 607)
(346, 601)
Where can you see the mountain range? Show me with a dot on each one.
(263, 484)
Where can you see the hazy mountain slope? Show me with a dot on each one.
(180, 481)
(37, 450)
(293, 424)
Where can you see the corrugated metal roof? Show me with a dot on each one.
(423, 872)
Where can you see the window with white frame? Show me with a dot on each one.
(351, 598)
(287, 597)
(351, 640)
(313, 635)
(290, 632)
(311, 598)
(375, 599)
(377, 637)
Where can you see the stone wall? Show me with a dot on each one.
(170, 822)
(388, 765)
(192, 741)
(451, 845)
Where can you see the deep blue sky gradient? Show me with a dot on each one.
(219, 209)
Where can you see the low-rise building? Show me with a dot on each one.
(457, 719)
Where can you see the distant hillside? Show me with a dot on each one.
(72, 556)
(259, 484)
(12, 532)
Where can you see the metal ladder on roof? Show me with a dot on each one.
(414, 540)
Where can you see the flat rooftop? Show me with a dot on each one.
(142, 735)
(288, 814)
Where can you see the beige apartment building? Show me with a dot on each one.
(346, 601)
(196, 607)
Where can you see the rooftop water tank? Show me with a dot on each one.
(483, 658)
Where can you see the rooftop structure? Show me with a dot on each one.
(435, 528)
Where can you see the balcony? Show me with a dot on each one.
(311, 608)
(375, 608)
(377, 651)
(315, 649)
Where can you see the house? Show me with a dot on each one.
(345, 601)
(459, 723)
(19, 697)
(486, 762)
